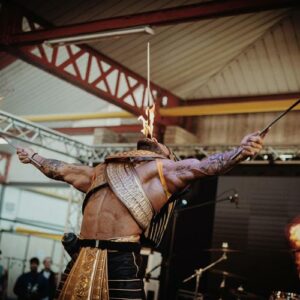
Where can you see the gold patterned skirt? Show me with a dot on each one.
(88, 278)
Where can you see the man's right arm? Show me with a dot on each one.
(77, 175)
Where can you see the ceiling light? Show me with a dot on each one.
(84, 38)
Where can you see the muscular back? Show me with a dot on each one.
(106, 217)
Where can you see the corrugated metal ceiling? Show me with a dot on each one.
(29, 90)
(229, 56)
(184, 52)
(270, 65)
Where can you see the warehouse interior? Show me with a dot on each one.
(74, 78)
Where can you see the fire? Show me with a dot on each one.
(148, 125)
(295, 234)
(294, 237)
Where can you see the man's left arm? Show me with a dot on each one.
(79, 176)
(221, 163)
(181, 173)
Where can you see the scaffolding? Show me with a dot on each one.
(34, 134)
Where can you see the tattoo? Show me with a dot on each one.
(220, 163)
(52, 168)
(181, 170)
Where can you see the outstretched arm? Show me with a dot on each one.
(179, 174)
(77, 175)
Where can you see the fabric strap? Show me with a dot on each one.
(162, 177)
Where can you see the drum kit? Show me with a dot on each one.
(238, 293)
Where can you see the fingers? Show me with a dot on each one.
(249, 151)
(251, 148)
(252, 144)
(19, 150)
(23, 155)
(254, 141)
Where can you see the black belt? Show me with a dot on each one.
(110, 245)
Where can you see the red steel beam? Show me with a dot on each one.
(161, 17)
(6, 59)
(90, 130)
(79, 64)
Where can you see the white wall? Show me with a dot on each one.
(22, 204)
(43, 211)
(18, 249)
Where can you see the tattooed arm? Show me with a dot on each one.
(77, 175)
(179, 174)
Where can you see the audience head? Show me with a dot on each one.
(34, 264)
(47, 262)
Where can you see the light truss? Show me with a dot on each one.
(34, 134)
(273, 153)
(24, 131)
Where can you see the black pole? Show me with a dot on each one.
(168, 263)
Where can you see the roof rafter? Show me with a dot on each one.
(157, 18)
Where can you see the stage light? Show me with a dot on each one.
(184, 202)
(85, 38)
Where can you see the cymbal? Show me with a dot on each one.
(225, 250)
(227, 274)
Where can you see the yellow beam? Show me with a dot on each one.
(39, 233)
(77, 117)
(181, 111)
(228, 108)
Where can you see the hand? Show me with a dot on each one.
(251, 144)
(25, 154)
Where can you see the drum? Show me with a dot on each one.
(284, 296)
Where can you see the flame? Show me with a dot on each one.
(148, 125)
(295, 234)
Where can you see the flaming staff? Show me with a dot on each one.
(268, 127)
(148, 124)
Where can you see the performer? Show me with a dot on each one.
(127, 196)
